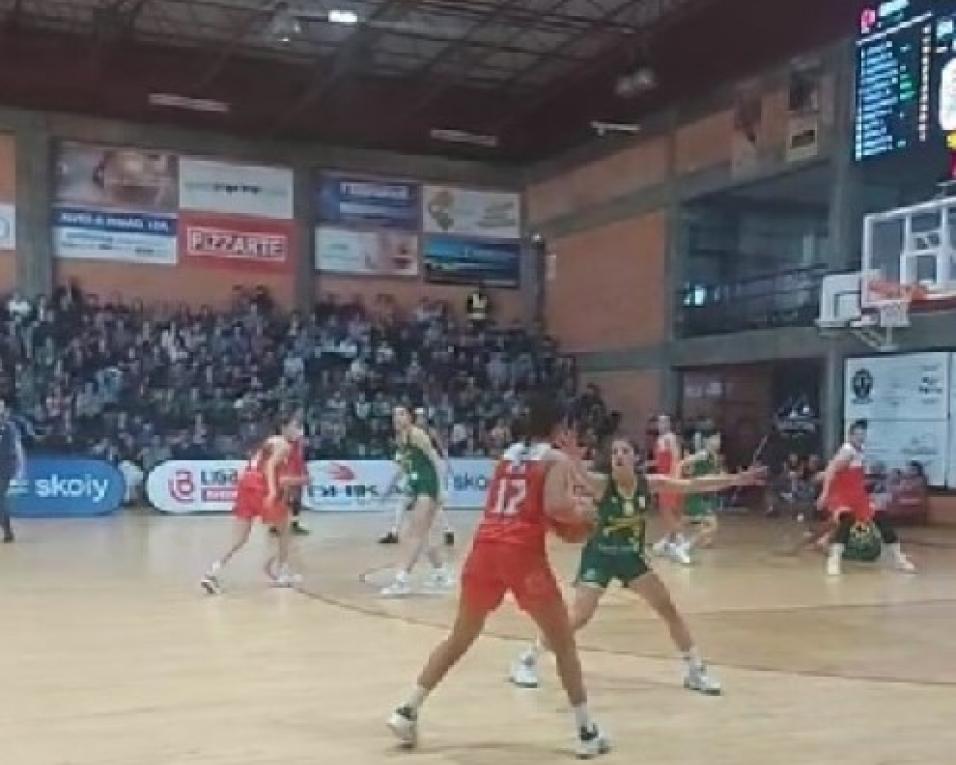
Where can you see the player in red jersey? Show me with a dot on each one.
(845, 498)
(533, 484)
(667, 461)
(296, 477)
(260, 494)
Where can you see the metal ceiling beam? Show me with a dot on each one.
(546, 94)
(440, 88)
(243, 28)
(327, 75)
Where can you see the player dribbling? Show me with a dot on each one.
(532, 484)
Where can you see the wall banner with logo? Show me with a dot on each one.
(66, 488)
(235, 242)
(8, 226)
(232, 188)
(209, 486)
(469, 213)
(911, 386)
(453, 260)
(896, 443)
(8, 193)
(375, 253)
(352, 202)
(114, 203)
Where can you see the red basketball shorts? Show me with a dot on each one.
(494, 569)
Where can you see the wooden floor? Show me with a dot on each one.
(109, 655)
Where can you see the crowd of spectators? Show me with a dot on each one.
(126, 382)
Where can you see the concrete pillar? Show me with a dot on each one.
(35, 267)
(846, 190)
(304, 272)
(670, 395)
(831, 399)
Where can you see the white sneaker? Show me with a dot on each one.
(287, 579)
(697, 679)
(210, 583)
(680, 553)
(404, 724)
(400, 588)
(592, 743)
(440, 579)
(661, 547)
(834, 565)
(524, 671)
(901, 563)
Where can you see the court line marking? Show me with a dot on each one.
(420, 622)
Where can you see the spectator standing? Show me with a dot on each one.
(12, 465)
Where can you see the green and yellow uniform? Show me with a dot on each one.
(421, 476)
(697, 507)
(616, 550)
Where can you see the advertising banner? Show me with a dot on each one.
(367, 202)
(218, 241)
(115, 204)
(469, 261)
(114, 235)
(207, 185)
(209, 486)
(8, 226)
(466, 213)
(116, 178)
(372, 253)
(194, 486)
(897, 442)
(911, 386)
(66, 488)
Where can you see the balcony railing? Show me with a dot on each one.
(784, 299)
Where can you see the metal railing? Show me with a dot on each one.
(784, 299)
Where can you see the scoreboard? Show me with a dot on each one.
(905, 77)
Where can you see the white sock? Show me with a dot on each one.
(417, 698)
(531, 653)
(836, 550)
(401, 576)
(692, 659)
(215, 568)
(582, 718)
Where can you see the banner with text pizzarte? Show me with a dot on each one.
(368, 203)
(232, 188)
(209, 486)
(224, 241)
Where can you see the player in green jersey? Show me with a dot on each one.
(701, 510)
(422, 469)
(616, 551)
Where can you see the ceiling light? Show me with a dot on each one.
(463, 136)
(642, 80)
(175, 101)
(284, 26)
(343, 17)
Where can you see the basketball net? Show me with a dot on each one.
(893, 300)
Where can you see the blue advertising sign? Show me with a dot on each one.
(365, 202)
(454, 260)
(113, 235)
(55, 487)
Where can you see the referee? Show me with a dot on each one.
(12, 463)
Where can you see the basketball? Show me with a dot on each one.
(573, 532)
(864, 543)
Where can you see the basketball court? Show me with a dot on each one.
(111, 655)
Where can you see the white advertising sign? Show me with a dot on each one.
(209, 486)
(895, 443)
(207, 185)
(194, 486)
(8, 226)
(912, 386)
(461, 212)
(376, 253)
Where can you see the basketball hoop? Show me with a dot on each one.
(892, 301)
